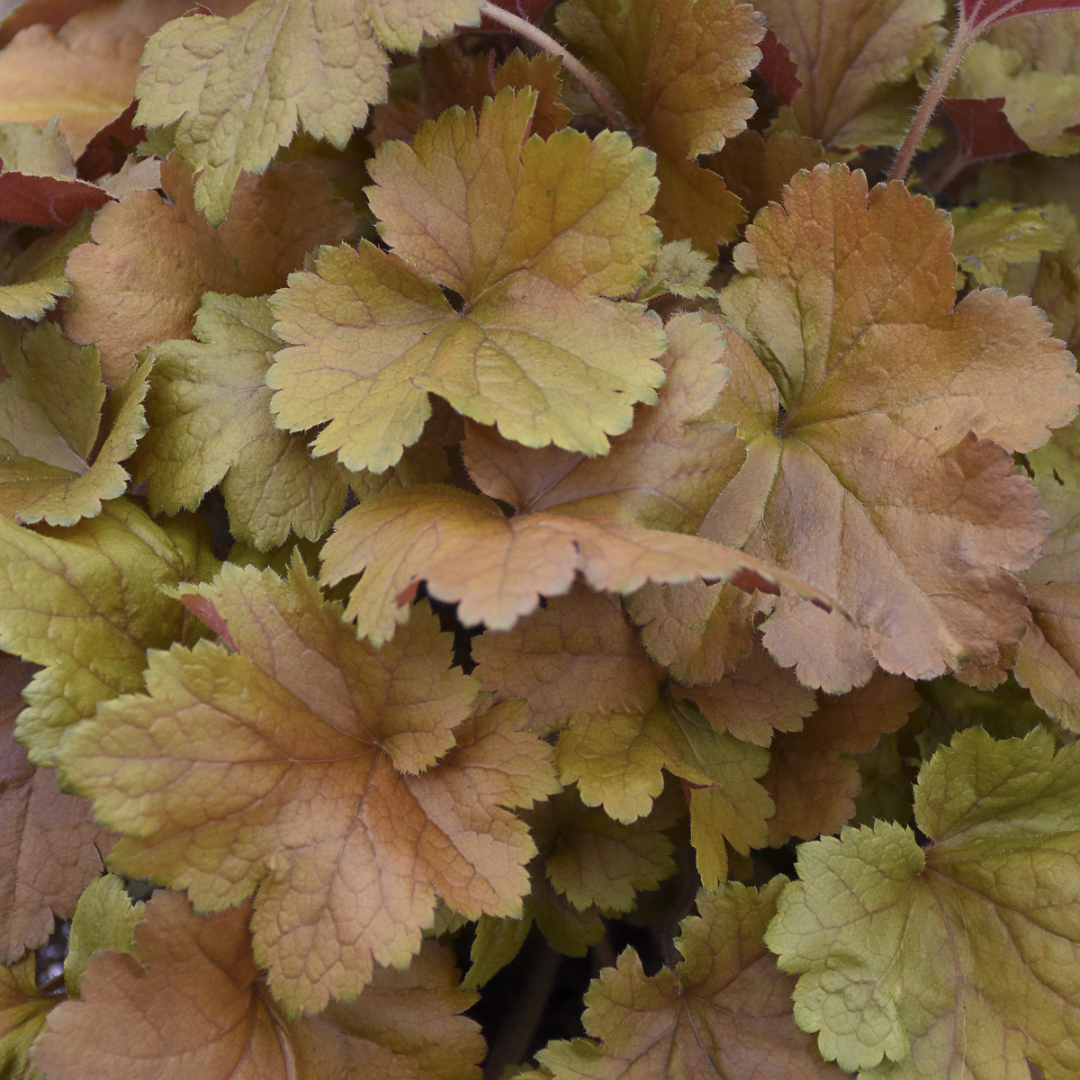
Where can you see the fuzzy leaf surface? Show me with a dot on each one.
(142, 278)
(680, 70)
(191, 1002)
(532, 237)
(240, 86)
(347, 786)
(905, 508)
(210, 423)
(725, 1011)
(959, 960)
(84, 603)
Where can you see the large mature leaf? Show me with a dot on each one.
(190, 1002)
(239, 86)
(680, 71)
(724, 1012)
(84, 602)
(55, 464)
(960, 960)
(347, 786)
(151, 260)
(855, 62)
(870, 482)
(531, 238)
(210, 423)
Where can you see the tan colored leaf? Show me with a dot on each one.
(141, 280)
(210, 423)
(886, 488)
(680, 70)
(50, 848)
(812, 775)
(579, 654)
(497, 569)
(359, 785)
(851, 60)
(1049, 660)
(191, 1003)
(534, 238)
(724, 1012)
(754, 700)
(661, 474)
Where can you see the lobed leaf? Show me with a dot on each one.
(956, 960)
(344, 786)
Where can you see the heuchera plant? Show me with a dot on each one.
(482, 484)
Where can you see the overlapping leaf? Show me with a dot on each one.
(23, 1011)
(993, 235)
(210, 423)
(191, 1002)
(35, 277)
(239, 86)
(680, 70)
(84, 602)
(358, 785)
(50, 848)
(855, 63)
(874, 485)
(725, 1011)
(960, 959)
(575, 515)
(141, 280)
(60, 450)
(531, 238)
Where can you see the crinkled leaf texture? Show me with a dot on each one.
(239, 86)
(961, 959)
(344, 786)
(85, 604)
(724, 1011)
(532, 238)
(210, 423)
(878, 480)
(191, 1003)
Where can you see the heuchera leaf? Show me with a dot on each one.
(84, 603)
(105, 918)
(190, 1002)
(983, 128)
(23, 1011)
(989, 237)
(531, 238)
(1049, 660)
(725, 1011)
(854, 63)
(52, 467)
(680, 70)
(35, 276)
(239, 86)
(979, 15)
(51, 847)
(141, 280)
(900, 509)
(960, 959)
(210, 423)
(813, 777)
(347, 786)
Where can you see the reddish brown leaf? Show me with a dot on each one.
(52, 201)
(983, 129)
(980, 15)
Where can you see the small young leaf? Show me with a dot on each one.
(105, 918)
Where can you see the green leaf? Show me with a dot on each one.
(23, 1012)
(239, 86)
(210, 423)
(989, 237)
(84, 602)
(105, 918)
(961, 959)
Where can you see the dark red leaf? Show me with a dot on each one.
(52, 201)
(980, 15)
(106, 151)
(984, 130)
(778, 69)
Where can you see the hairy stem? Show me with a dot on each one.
(963, 38)
(572, 64)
